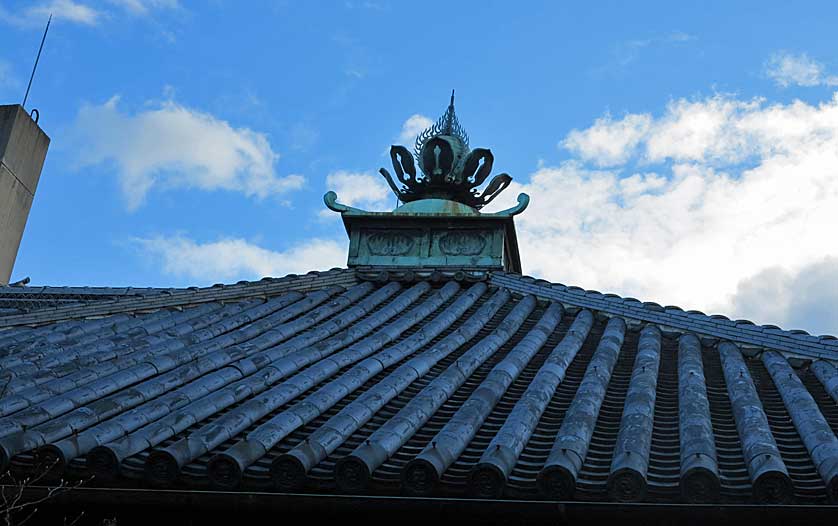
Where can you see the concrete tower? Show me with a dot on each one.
(23, 148)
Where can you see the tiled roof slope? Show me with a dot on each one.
(426, 384)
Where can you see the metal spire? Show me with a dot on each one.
(450, 116)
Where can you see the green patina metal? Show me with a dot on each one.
(440, 224)
(449, 169)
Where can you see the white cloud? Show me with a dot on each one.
(66, 10)
(361, 190)
(718, 130)
(79, 12)
(688, 131)
(413, 126)
(715, 193)
(790, 69)
(174, 146)
(608, 142)
(144, 7)
(234, 259)
(701, 131)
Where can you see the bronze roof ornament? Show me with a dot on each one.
(439, 224)
(450, 170)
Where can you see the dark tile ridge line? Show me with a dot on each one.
(740, 331)
(58, 292)
(183, 297)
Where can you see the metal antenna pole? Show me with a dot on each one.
(38, 58)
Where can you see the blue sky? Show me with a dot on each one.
(675, 153)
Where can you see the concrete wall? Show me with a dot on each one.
(23, 148)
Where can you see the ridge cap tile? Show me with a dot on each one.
(742, 330)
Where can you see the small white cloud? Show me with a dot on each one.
(413, 126)
(790, 69)
(79, 12)
(359, 189)
(172, 146)
(67, 10)
(362, 190)
(234, 259)
(608, 142)
(144, 7)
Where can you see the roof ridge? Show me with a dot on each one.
(182, 297)
(794, 341)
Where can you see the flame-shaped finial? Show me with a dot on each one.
(445, 125)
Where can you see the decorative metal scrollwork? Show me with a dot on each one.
(449, 169)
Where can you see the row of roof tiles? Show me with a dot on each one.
(795, 341)
(134, 299)
(95, 305)
(426, 388)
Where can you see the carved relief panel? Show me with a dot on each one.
(463, 242)
(390, 243)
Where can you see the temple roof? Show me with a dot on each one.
(421, 382)
(430, 367)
